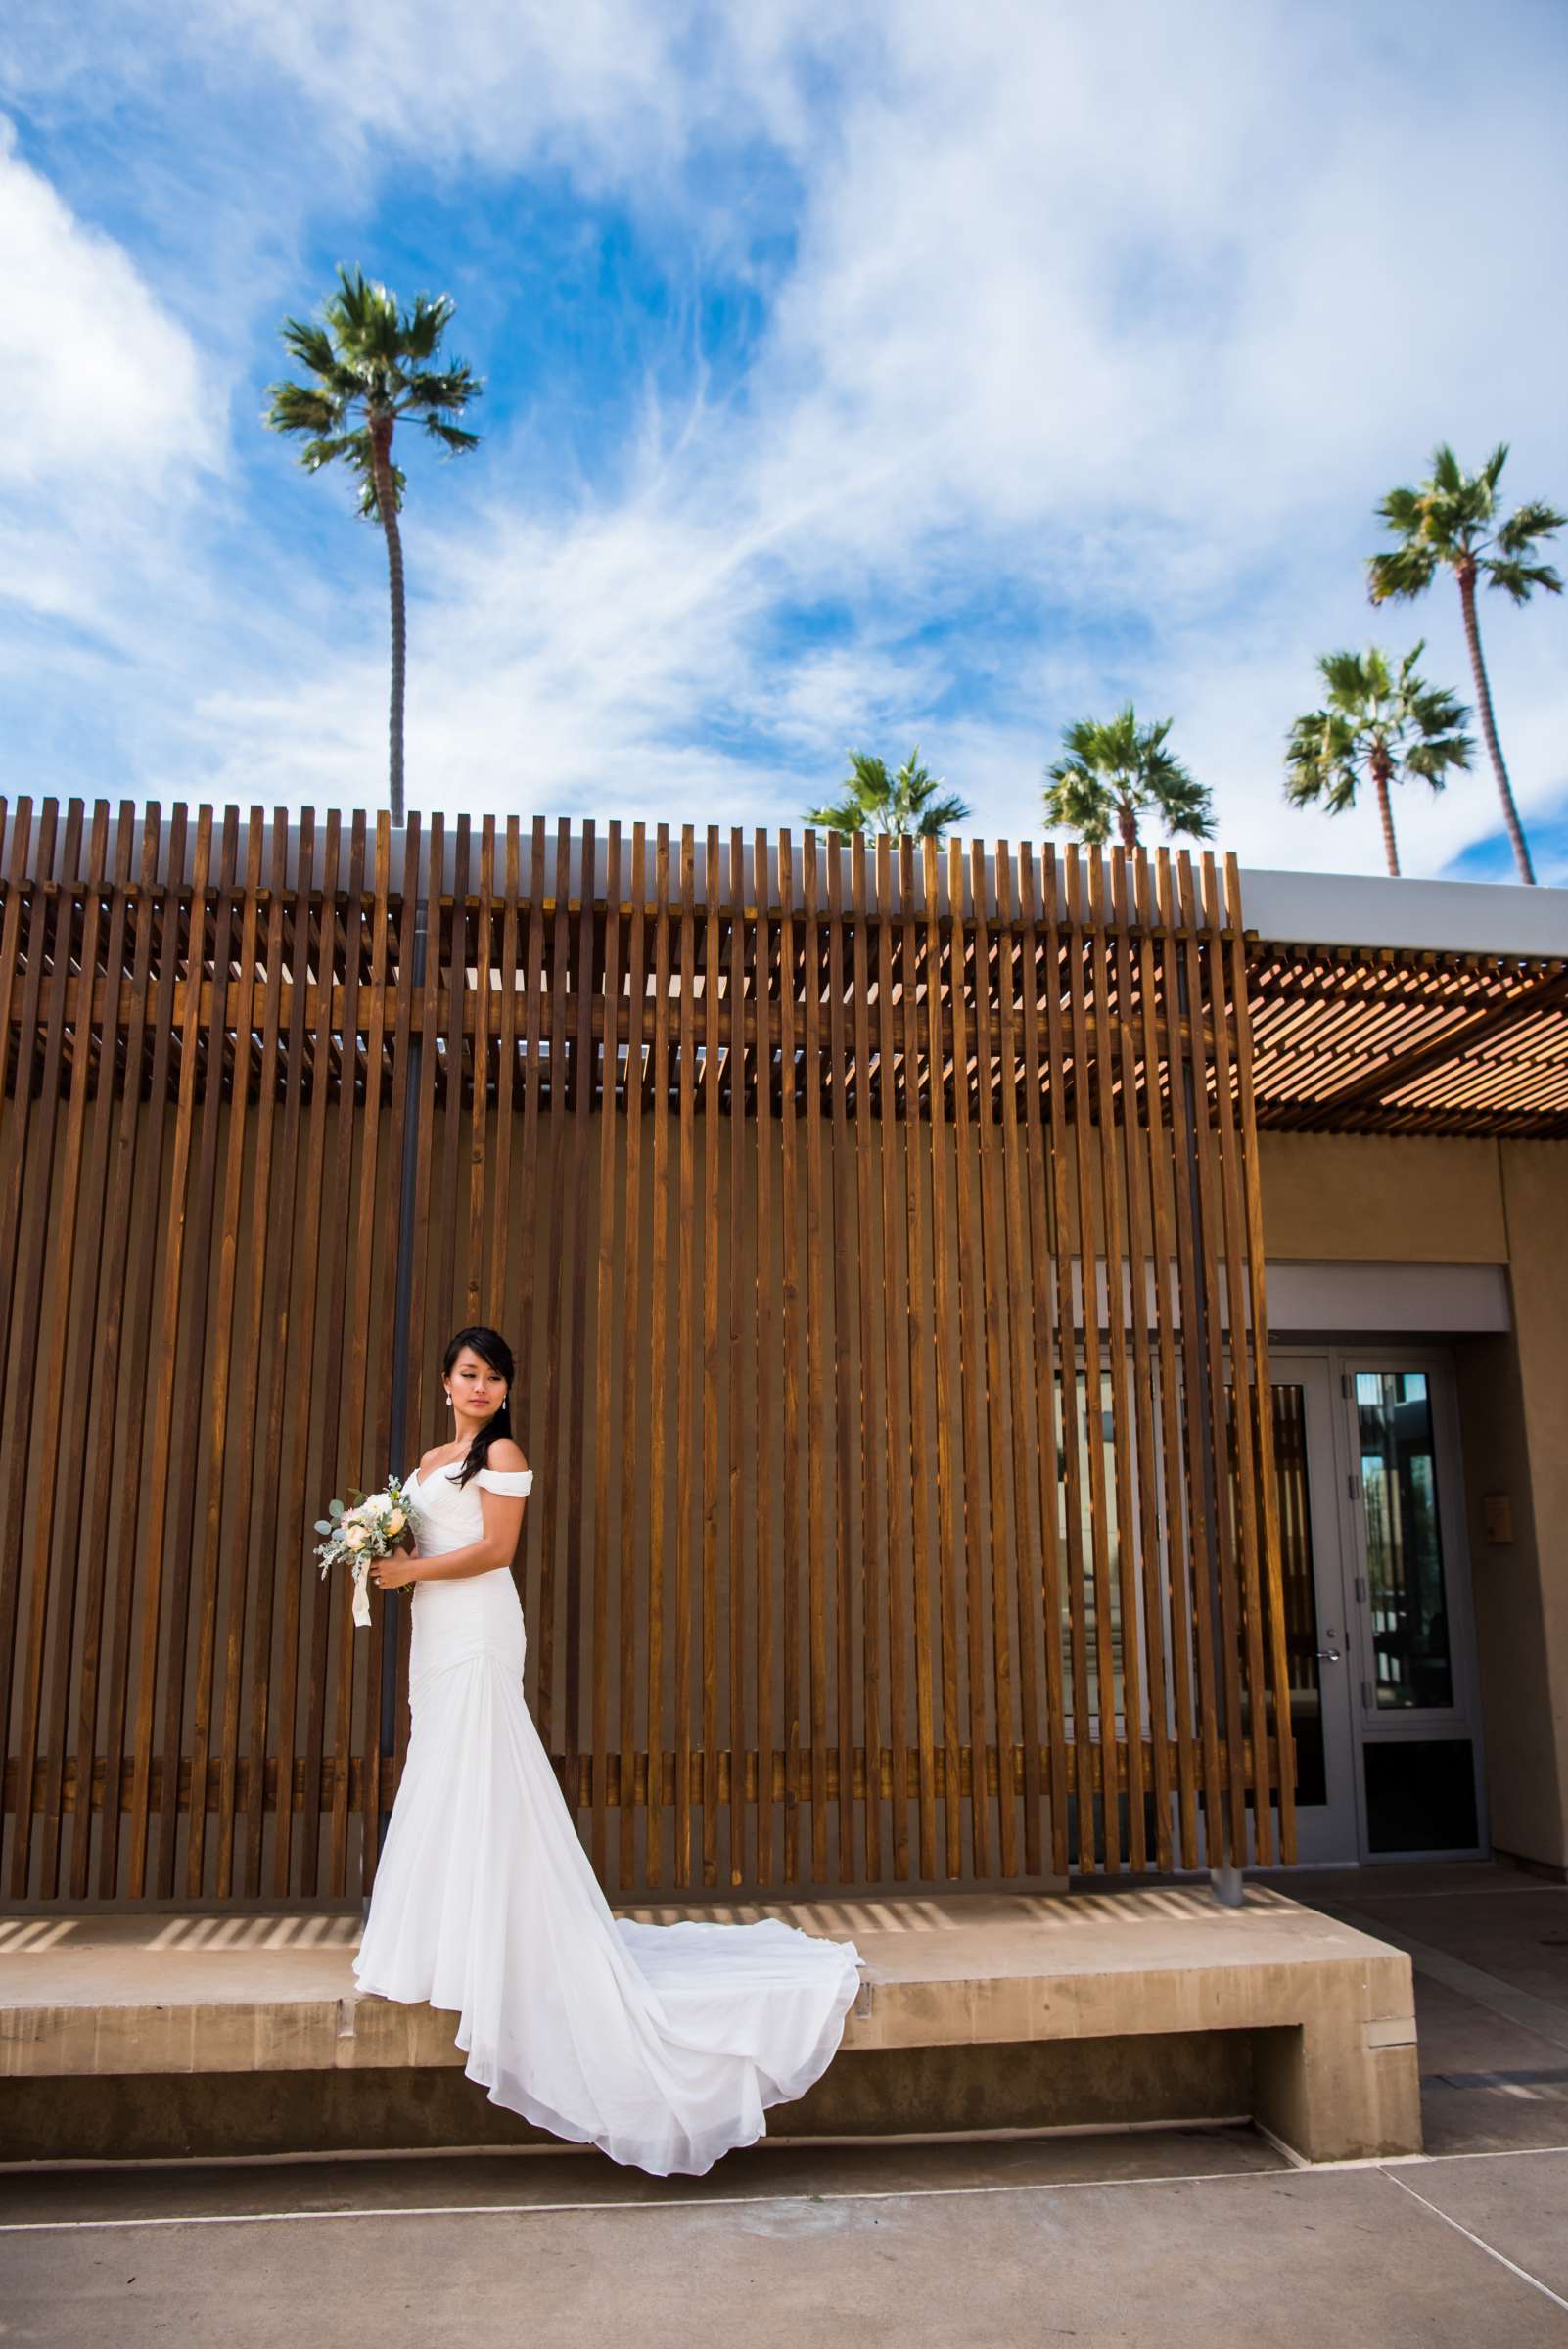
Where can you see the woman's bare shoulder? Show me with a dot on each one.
(506, 1455)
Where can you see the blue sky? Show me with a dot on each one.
(941, 377)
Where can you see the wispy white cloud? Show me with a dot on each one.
(1125, 321)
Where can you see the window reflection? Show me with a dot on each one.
(1403, 1546)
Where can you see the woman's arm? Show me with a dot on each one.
(497, 1547)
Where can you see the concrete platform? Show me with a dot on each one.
(151, 2036)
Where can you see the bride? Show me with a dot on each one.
(659, 2043)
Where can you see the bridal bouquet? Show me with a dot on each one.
(366, 1527)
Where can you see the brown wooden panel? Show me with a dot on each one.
(911, 1475)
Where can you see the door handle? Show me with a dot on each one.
(1328, 1655)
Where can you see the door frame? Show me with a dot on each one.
(1330, 1835)
(1461, 1717)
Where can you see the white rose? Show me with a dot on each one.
(376, 1502)
(355, 1537)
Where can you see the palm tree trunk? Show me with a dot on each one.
(1482, 695)
(1385, 809)
(1127, 816)
(381, 433)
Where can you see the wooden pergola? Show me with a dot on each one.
(1361, 1040)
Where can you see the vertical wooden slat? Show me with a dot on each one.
(385, 1618)
(971, 1342)
(479, 1099)
(423, 1412)
(1249, 1646)
(361, 1441)
(1078, 948)
(1141, 1433)
(185, 1450)
(582, 1067)
(792, 1275)
(220, 1364)
(305, 1410)
(145, 1214)
(873, 1461)
(658, 1417)
(608, 1321)
(453, 1289)
(773, 1503)
(1043, 1157)
(40, 904)
(107, 1313)
(153, 1535)
(631, 1293)
(94, 1307)
(1016, 963)
(1065, 1108)
(330, 1612)
(739, 1432)
(1211, 1211)
(686, 1326)
(817, 1435)
(894, 1433)
(992, 1258)
(20, 897)
(250, 1583)
(1175, 1591)
(1187, 1108)
(844, 1394)
(709, 1405)
(45, 1455)
(533, 1083)
(1263, 1384)
(500, 1222)
(557, 1270)
(23, 1243)
(921, 1339)
(950, 1501)
(281, 1558)
(1113, 1203)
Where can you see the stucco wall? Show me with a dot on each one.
(1388, 1201)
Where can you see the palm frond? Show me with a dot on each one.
(1534, 520)
(1077, 800)
(837, 815)
(1521, 580)
(455, 440)
(1402, 573)
(300, 408)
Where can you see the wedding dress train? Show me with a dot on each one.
(662, 2045)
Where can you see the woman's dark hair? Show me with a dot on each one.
(492, 1348)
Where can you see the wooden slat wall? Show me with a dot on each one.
(879, 1231)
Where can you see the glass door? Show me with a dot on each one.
(1409, 1599)
(1318, 1649)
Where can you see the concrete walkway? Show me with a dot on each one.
(1156, 2240)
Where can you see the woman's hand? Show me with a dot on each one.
(391, 1574)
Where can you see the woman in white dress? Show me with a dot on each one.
(662, 2045)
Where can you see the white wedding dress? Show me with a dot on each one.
(659, 2043)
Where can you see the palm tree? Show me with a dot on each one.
(1452, 519)
(370, 364)
(1116, 770)
(1376, 723)
(874, 801)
